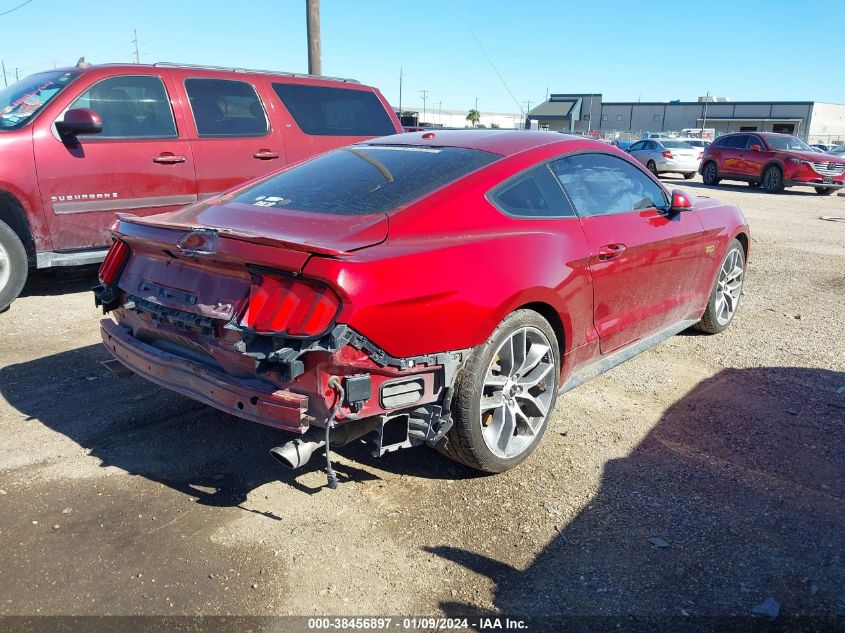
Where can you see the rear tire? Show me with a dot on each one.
(13, 266)
(726, 292)
(652, 167)
(753, 184)
(689, 175)
(773, 179)
(825, 191)
(710, 174)
(497, 437)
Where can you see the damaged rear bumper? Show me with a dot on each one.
(251, 399)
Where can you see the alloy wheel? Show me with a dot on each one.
(517, 393)
(710, 173)
(5, 267)
(771, 180)
(729, 286)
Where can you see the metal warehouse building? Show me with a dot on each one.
(811, 120)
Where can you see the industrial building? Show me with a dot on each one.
(588, 113)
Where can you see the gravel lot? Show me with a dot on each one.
(701, 478)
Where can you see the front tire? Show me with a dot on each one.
(505, 394)
(710, 175)
(689, 175)
(825, 191)
(727, 290)
(13, 266)
(652, 167)
(773, 179)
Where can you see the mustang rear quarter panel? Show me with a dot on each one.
(453, 266)
(721, 224)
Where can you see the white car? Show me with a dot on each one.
(696, 142)
(667, 155)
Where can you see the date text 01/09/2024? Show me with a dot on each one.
(414, 623)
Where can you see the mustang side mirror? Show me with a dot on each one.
(680, 202)
(756, 148)
(79, 121)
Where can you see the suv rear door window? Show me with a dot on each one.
(601, 184)
(324, 111)
(362, 179)
(736, 142)
(131, 106)
(223, 107)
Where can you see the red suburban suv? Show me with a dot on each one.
(80, 144)
(774, 161)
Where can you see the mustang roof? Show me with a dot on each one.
(504, 142)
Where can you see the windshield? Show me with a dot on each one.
(20, 101)
(788, 143)
(362, 179)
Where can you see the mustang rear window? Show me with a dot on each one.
(362, 179)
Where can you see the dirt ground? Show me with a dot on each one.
(701, 478)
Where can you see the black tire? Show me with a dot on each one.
(689, 175)
(753, 183)
(825, 191)
(710, 174)
(13, 258)
(710, 321)
(652, 167)
(772, 179)
(465, 442)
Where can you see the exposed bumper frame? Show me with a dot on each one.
(250, 399)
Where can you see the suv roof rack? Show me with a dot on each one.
(253, 70)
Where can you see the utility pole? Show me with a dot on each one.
(440, 112)
(135, 42)
(704, 116)
(400, 94)
(424, 96)
(315, 60)
(17, 78)
(527, 110)
(5, 81)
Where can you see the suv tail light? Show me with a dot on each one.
(113, 263)
(667, 154)
(279, 305)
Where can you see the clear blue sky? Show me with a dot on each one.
(655, 51)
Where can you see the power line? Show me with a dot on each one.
(481, 46)
(15, 8)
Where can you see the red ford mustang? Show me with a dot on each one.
(436, 288)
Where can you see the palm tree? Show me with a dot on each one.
(473, 116)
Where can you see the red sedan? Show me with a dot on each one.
(437, 288)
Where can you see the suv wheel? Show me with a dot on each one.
(825, 191)
(652, 167)
(727, 290)
(773, 179)
(753, 183)
(710, 174)
(689, 175)
(505, 394)
(13, 266)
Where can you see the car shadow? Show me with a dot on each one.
(152, 432)
(736, 496)
(59, 281)
(740, 187)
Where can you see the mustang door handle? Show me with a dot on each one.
(609, 251)
(167, 158)
(265, 154)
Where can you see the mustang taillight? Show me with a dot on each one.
(278, 305)
(113, 263)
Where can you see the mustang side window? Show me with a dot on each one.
(534, 194)
(601, 184)
(134, 106)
